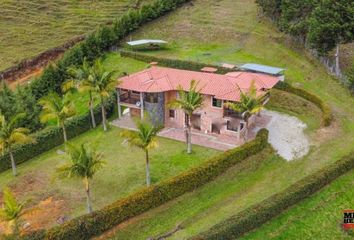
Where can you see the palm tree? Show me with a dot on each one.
(57, 108)
(85, 164)
(102, 83)
(11, 211)
(249, 103)
(145, 139)
(10, 135)
(189, 102)
(80, 74)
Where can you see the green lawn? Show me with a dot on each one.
(28, 27)
(205, 206)
(319, 217)
(230, 31)
(123, 173)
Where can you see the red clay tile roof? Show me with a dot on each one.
(209, 69)
(161, 79)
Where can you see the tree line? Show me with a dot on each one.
(323, 24)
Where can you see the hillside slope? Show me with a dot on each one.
(29, 27)
(232, 31)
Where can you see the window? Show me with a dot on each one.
(151, 97)
(232, 125)
(172, 113)
(216, 102)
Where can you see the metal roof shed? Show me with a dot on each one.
(275, 71)
(147, 43)
(263, 68)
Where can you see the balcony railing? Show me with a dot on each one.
(231, 113)
(129, 98)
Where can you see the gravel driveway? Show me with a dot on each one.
(286, 135)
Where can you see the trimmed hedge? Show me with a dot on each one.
(256, 215)
(53, 136)
(174, 63)
(326, 111)
(98, 42)
(89, 225)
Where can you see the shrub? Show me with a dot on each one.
(89, 225)
(326, 111)
(262, 212)
(52, 137)
(173, 63)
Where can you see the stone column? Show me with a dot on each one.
(142, 105)
(239, 130)
(118, 103)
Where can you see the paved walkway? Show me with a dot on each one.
(215, 141)
(219, 142)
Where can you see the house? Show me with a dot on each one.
(150, 91)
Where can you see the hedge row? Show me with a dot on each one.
(53, 136)
(87, 226)
(98, 42)
(174, 63)
(326, 111)
(256, 215)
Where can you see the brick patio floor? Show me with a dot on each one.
(215, 141)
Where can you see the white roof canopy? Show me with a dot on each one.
(146, 41)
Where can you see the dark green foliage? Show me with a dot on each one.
(271, 8)
(27, 104)
(73, 57)
(20, 101)
(326, 111)
(7, 100)
(295, 17)
(322, 23)
(173, 63)
(331, 23)
(254, 216)
(49, 81)
(105, 38)
(52, 137)
(87, 226)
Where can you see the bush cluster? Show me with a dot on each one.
(174, 63)
(98, 42)
(86, 226)
(52, 137)
(256, 215)
(326, 111)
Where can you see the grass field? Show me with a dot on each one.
(214, 32)
(123, 173)
(231, 31)
(319, 217)
(204, 206)
(29, 27)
